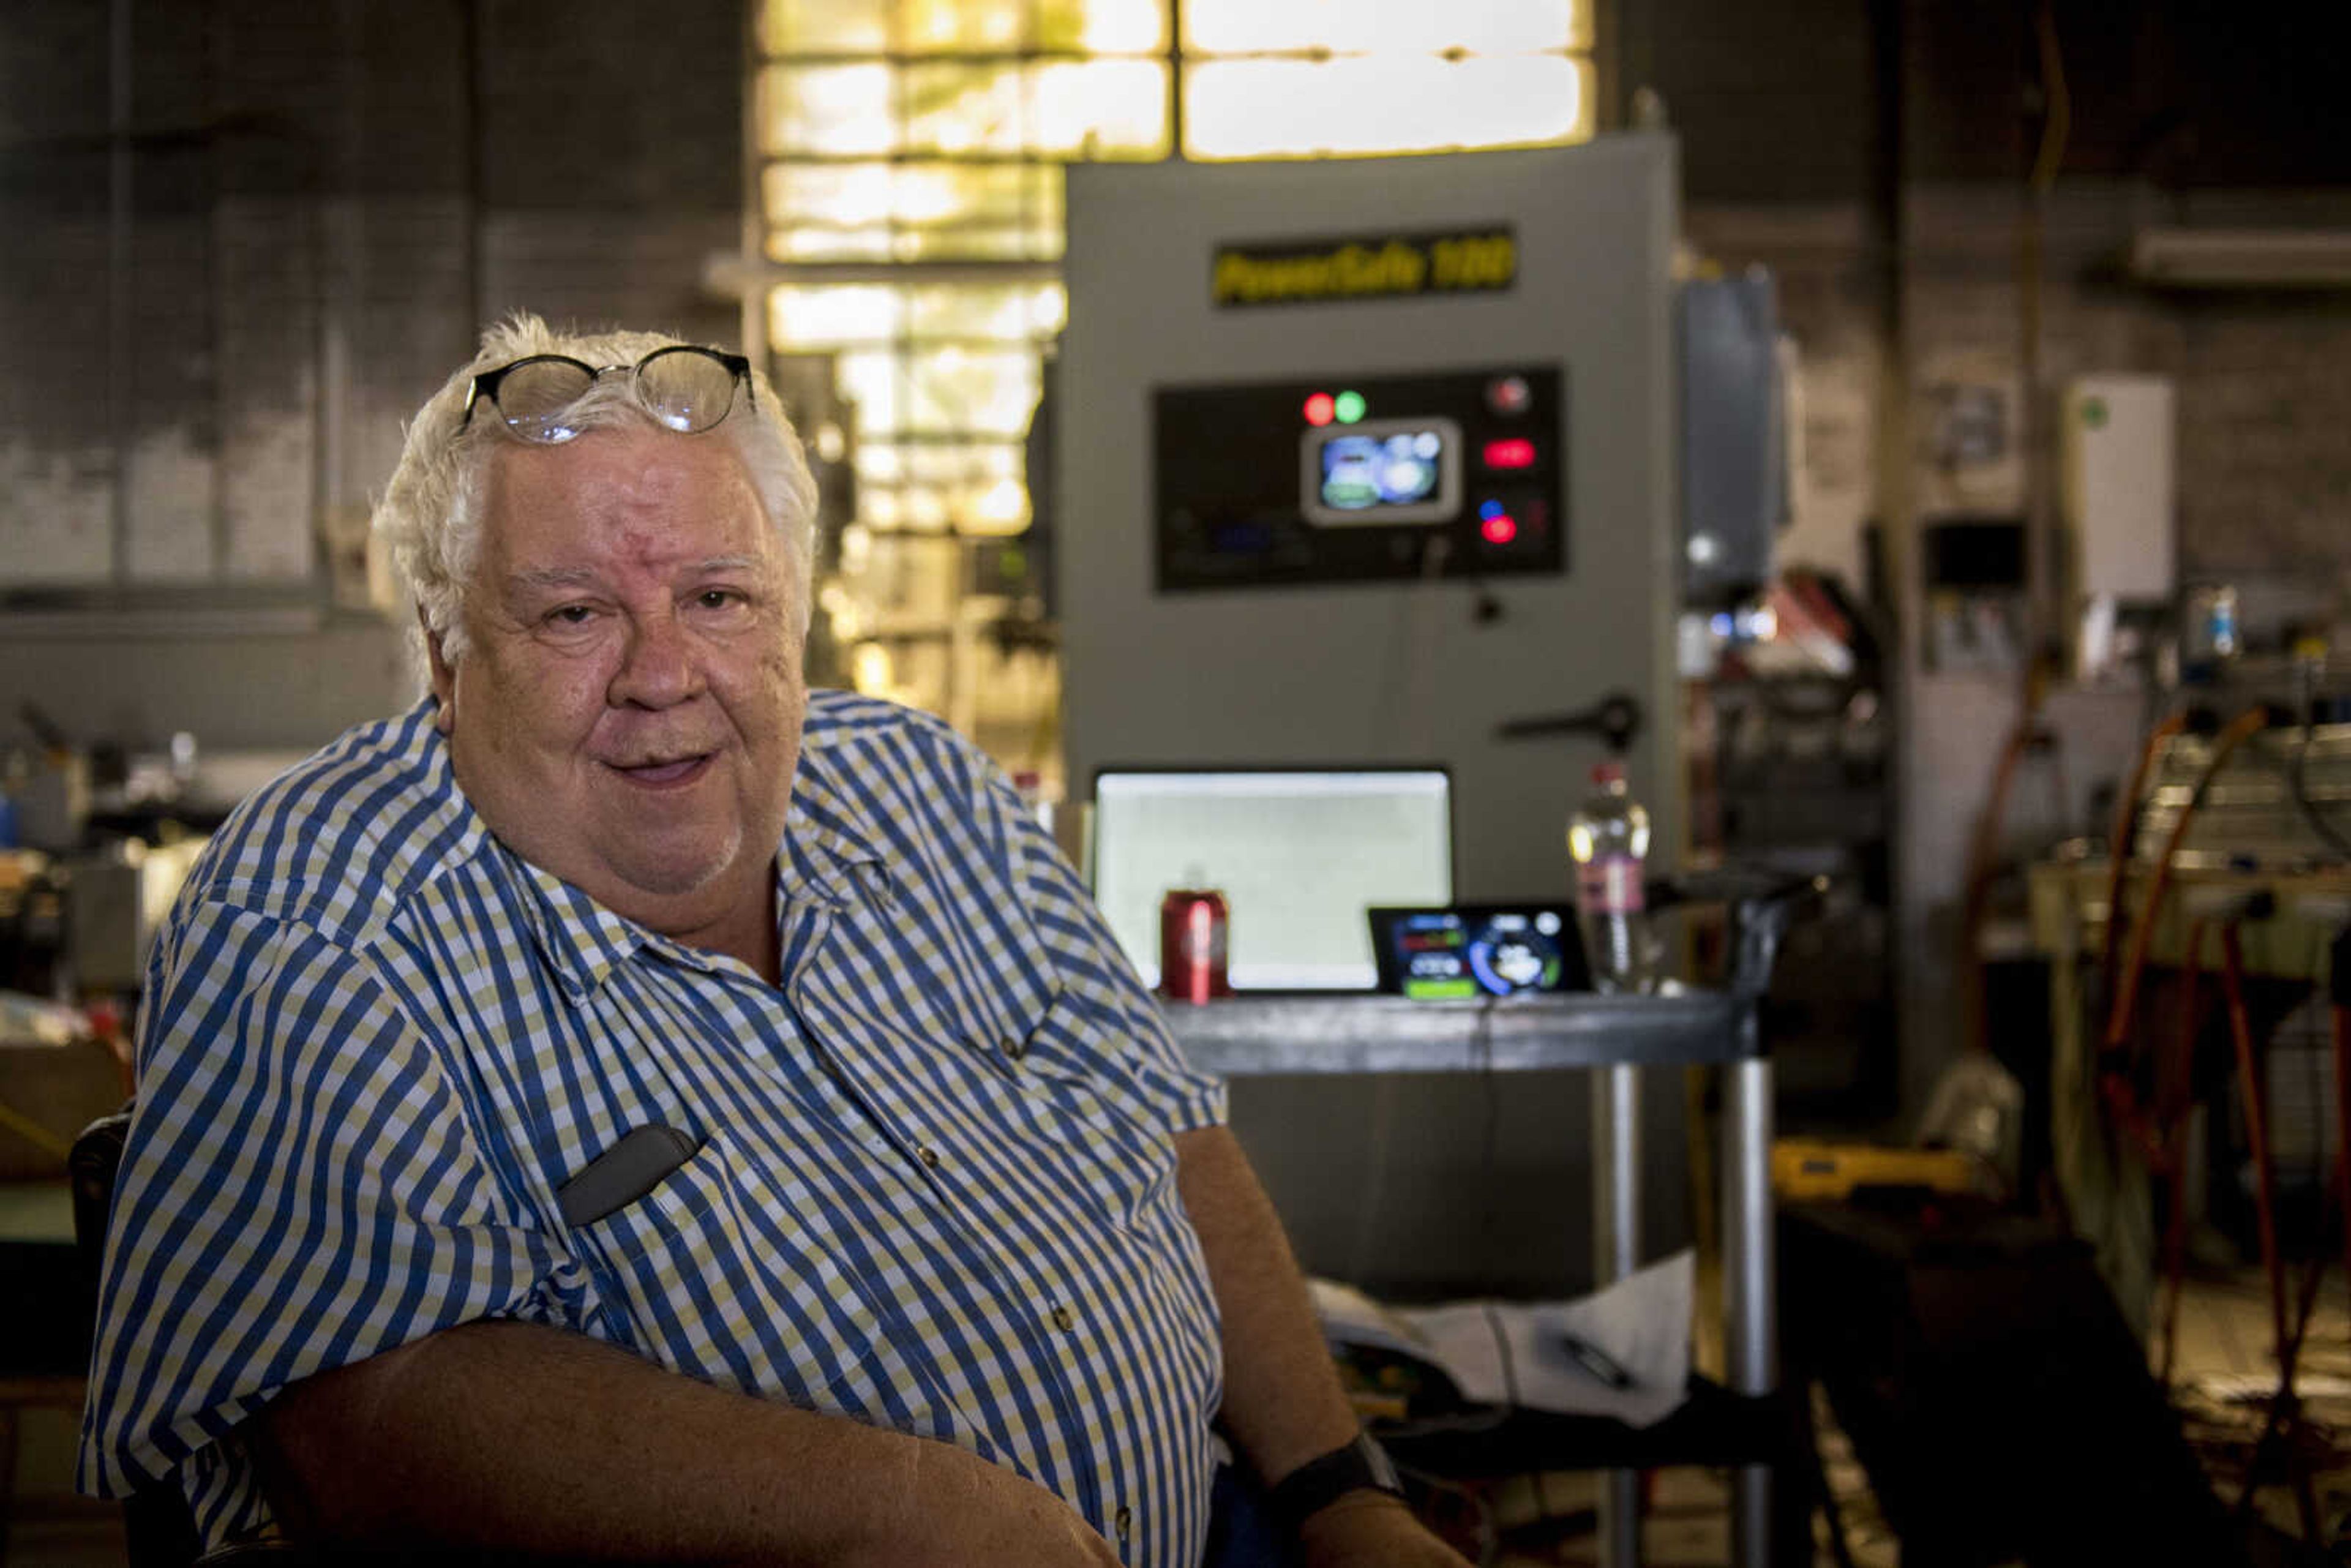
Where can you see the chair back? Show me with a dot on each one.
(157, 1524)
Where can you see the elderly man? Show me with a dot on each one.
(634, 1108)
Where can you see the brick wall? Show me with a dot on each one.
(327, 201)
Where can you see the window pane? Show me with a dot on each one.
(980, 483)
(976, 464)
(1040, 241)
(809, 242)
(824, 27)
(880, 462)
(960, 27)
(914, 196)
(1102, 108)
(1063, 108)
(1020, 313)
(964, 107)
(836, 195)
(966, 391)
(1251, 108)
(803, 317)
(1104, 27)
(1421, 26)
(832, 109)
(997, 211)
(875, 380)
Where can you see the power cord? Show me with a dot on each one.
(2297, 780)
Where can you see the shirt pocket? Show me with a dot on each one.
(713, 1277)
(1062, 1096)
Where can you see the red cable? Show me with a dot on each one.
(2242, 727)
(2126, 806)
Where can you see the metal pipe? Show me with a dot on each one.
(120, 218)
(1751, 1302)
(1615, 1253)
(752, 233)
(2339, 1042)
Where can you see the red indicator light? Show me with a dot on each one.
(1500, 529)
(1321, 409)
(1515, 453)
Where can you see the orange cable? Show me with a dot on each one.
(2118, 849)
(2242, 727)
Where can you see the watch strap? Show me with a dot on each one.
(1360, 1466)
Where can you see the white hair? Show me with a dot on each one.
(429, 518)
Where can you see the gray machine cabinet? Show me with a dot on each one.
(1393, 670)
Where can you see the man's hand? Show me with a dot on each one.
(1372, 1529)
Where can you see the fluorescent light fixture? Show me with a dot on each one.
(2241, 259)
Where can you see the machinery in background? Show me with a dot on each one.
(1735, 436)
(2200, 1005)
(1357, 460)
(1791, 772)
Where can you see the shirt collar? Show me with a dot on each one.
(831, 851)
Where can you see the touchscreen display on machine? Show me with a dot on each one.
(1469, 951)
(1392, 471)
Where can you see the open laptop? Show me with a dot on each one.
(1299, 854)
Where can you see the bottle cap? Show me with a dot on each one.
(1609, 772)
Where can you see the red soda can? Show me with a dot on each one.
(1192, 923)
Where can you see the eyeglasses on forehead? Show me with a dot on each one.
(684, 388)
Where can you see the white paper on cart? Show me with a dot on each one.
(1515, 1352)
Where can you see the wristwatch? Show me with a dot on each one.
(1361, 1466)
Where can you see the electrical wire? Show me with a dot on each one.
(2125, 995)
(2126, 807)
(2057, 125)
(2298, 783)
(2056, 128)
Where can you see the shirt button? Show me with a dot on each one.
(927, 1154)
(1123, 1522)
(1016, 1049)
(1064, 1320)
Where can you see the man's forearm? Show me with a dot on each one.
(1284, 1404)
(534, 1442)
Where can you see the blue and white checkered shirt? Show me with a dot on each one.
(934, 1189)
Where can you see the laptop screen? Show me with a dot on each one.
(1299, 854)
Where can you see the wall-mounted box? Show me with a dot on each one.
(2116, 448)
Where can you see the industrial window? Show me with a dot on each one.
(909, 194)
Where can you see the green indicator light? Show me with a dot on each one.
(1440, 990)
(1349, 406)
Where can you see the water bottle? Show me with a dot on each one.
(1608, 838)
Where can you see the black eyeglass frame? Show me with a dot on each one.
(485, 385)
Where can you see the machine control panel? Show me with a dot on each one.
(1361, 478)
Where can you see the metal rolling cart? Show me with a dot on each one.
(1615, 1036)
